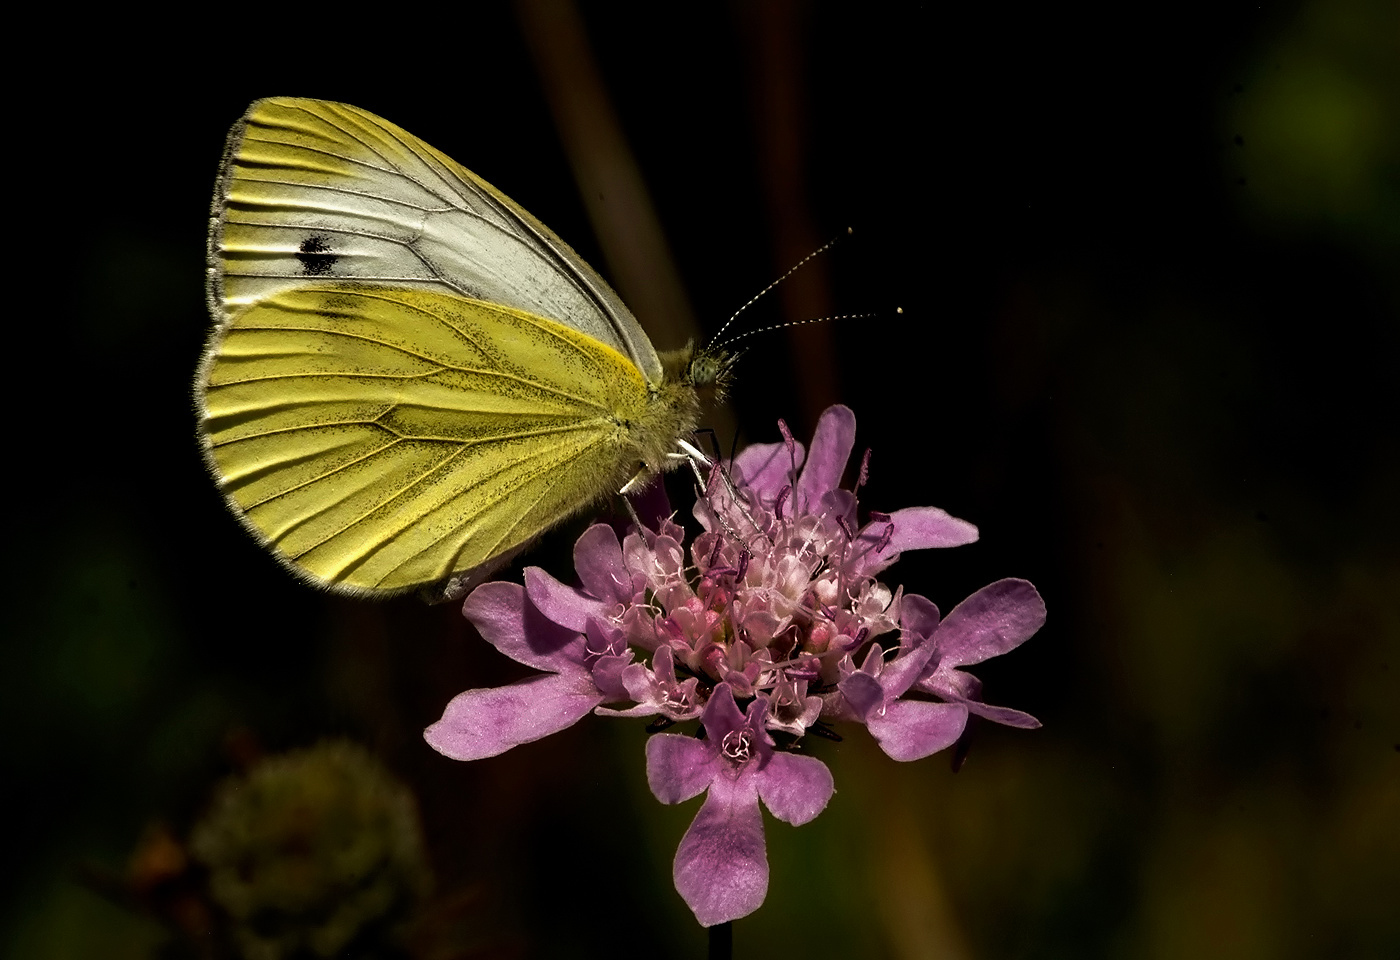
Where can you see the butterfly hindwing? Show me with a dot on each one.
(380, 438)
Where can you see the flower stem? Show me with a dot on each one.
(722, 941)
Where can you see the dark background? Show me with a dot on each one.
(1147, 257)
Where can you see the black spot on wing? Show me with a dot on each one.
(316, 257)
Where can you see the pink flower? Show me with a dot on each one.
(756, 627)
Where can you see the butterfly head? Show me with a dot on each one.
(707, 370)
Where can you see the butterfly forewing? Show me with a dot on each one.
(317, 190)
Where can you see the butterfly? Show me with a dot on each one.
(410, 378)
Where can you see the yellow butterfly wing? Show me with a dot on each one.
(410, 377)
(381, 439)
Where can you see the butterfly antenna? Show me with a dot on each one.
(798, 323)
(756, 297)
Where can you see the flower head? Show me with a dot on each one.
(781, 587)
(316, 852)
(764, 626)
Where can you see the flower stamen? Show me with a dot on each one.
(737, 746)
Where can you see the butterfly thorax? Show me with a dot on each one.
(673, 410)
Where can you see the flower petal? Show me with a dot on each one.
(721, 867)
(831, 449)
(919, 528)
(795, 789)
(919, 618)
(510, 623)
(598, 561)
(722, 714)
(766, 468)
(995, 619)
(565, 605)
(863, 692)
(607, 677)
(680, 767)
(914, 729)
(484, 723)
(1003, 715)
(641, 686)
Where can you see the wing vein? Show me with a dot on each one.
(400, 494)
(520, 516)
